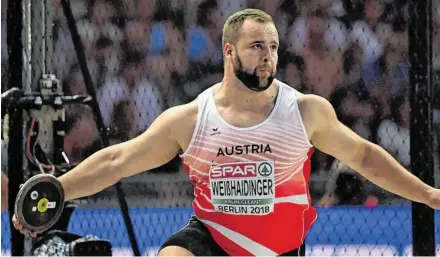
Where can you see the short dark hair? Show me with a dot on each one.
(236, 20)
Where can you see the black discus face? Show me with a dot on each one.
(39, 203)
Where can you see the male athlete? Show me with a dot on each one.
(246, 144)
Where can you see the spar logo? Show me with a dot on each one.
(241, 170)
(265, 169)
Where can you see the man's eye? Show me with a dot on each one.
(257, 46)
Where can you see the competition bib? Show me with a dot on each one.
(243, 187)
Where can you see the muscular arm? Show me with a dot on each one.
(371, 161)
(155, 147)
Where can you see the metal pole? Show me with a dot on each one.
(41, 62)
(421, 130)
(98, 117)
(15, 16)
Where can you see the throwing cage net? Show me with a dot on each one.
(127, 61)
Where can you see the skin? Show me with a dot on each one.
(243, 107)
(4, 192)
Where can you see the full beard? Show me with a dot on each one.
(251, 80)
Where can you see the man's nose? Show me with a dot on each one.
(267, 54)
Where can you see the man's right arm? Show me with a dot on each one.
(155, 147)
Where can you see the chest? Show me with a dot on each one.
(243, 118)
(278, 143)
(266, 152)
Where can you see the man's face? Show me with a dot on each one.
(255, 54)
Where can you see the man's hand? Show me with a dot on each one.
(19, 226)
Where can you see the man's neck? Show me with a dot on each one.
(232, 92)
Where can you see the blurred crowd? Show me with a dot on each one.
(147, 55)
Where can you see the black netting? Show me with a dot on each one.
(436, 87)
(145, 56)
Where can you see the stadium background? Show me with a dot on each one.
(145, 56)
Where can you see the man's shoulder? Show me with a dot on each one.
(184, 111)
(306, 102)
(312, 102)
(188, 113)
(182, 119)
(315, 111)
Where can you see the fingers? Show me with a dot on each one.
(18, 226)
(28, 233)
(16, 222)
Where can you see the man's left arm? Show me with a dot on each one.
(370, 160)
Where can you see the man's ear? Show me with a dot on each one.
(228, 49)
